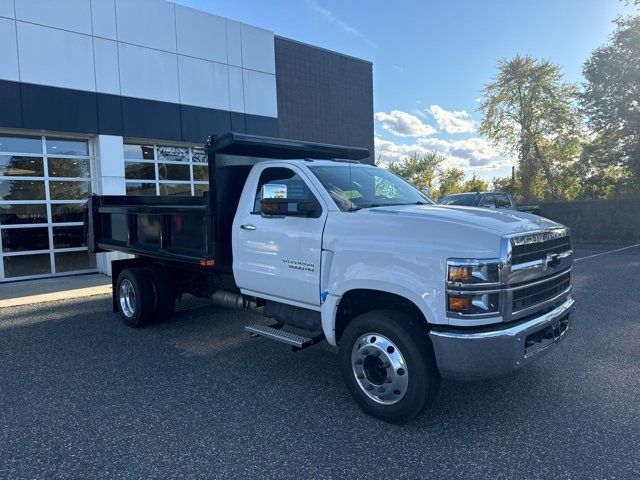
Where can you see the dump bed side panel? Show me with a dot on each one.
(169, 228)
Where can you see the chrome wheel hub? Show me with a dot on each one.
(379, 368)
(127, 298)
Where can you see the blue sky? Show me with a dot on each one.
(432, 58)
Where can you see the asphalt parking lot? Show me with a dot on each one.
(82, 396)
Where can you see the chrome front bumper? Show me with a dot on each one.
(491, 352)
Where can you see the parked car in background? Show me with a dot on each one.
(498, 200)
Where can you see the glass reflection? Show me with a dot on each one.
(69, 190)
(138, 152)
(175, 189)
(71, 261)
(169, 171)
(68, 237)
(25, 265)
(69, 167)
(67, 212)
(67, 147)
(20, 144)
(22, 190)
(25, 239)
(172, 154)
(140, 188)
(23, 214)
(21, 166)
(139, 171)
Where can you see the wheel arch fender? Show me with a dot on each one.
(377, 294)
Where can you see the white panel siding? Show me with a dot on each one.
(49, 56)
(106, 61)
(6, 9)
(201, 34)
(234, 43)
(150, 49)
(147, 73)
(203, 83)
(74, 15)
(258, 49)
(8, 50)
(236, 90)
(149, 23)
(260, 93)
(103, 13)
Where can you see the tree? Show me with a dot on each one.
(450, 181)
(529, 110)
(611, 100)
(421, 170)
(474, 184)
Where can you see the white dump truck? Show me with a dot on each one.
(338, 251)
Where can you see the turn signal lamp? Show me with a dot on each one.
(459, 304)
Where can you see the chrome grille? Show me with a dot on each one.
(531, 251)
(539, 292)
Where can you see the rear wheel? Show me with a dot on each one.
(388, 365)
(165, 302)
(135, 296)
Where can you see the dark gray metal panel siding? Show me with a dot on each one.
(41, 107)
(323, 96)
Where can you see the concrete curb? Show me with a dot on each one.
(52, 297)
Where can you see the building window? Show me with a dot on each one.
(44, 184)
(165, 170)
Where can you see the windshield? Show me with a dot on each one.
(353, 187)
(465, 200)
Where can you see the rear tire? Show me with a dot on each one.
(388, 365)
(135, 297)
(165, 302)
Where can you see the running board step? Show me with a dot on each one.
(298, 342)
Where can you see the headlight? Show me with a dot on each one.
(473, 303)
(473, 286)
(463, 272)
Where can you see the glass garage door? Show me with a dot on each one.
(165, 170)
(44, 183)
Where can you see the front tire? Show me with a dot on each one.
(388, 365)
(135, 297)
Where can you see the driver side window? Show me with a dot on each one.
(280, 182)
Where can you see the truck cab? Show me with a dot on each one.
(348, 253)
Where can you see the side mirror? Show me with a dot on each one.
(285, 207)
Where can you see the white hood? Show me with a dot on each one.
(503, 222)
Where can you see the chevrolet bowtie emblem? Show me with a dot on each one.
(550, 261)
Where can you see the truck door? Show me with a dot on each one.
(279, 256)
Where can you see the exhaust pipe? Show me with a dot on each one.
(233, 300)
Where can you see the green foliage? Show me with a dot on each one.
(530, 111)
(420, 170)
(474, 184)
(450, 181)
(611, 100)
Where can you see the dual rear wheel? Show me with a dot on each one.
(144, 296)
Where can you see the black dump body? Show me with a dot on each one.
(195, 231)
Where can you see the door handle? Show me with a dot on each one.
(248, 226)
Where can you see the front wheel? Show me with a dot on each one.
(388, 365)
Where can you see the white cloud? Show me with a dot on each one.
(452, 121)
(338, 22)
(471, 155)
(403, 124)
